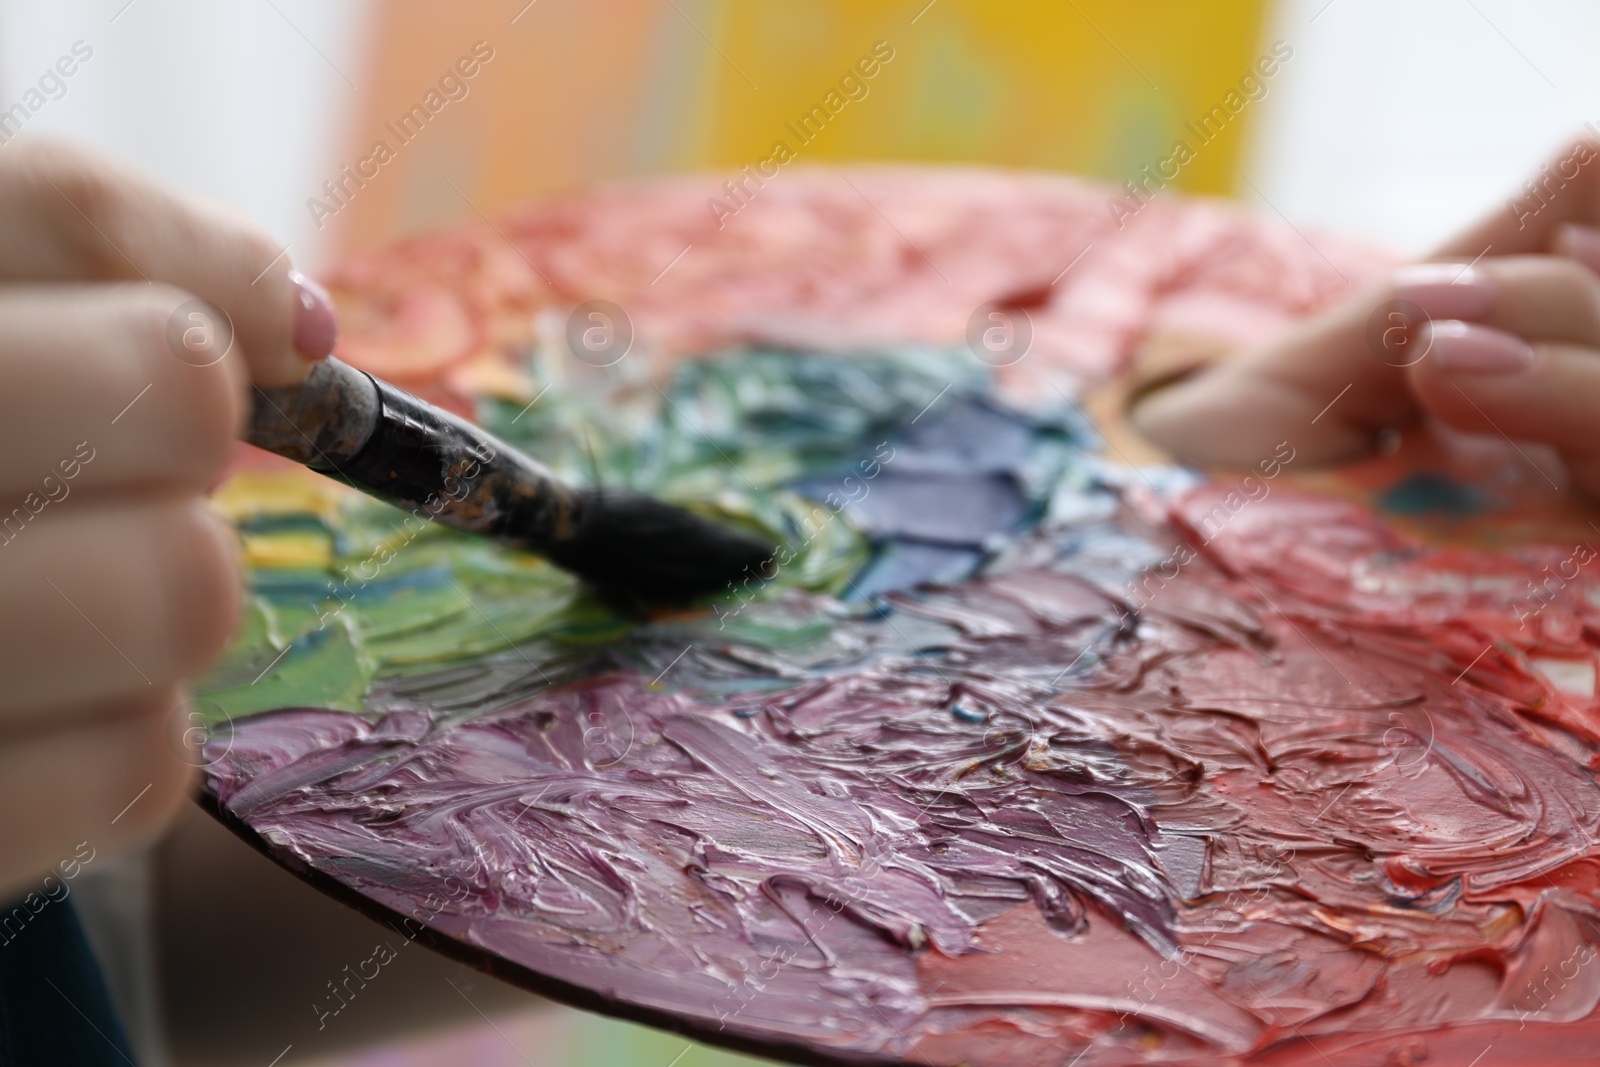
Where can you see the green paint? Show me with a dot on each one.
(725, 436)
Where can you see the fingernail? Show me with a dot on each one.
(1445, 290)
(316, 326)
(1581, 243)
(1474, 349)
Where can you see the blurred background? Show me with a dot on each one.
(1392, 123)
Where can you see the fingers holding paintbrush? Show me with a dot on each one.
(131, 320)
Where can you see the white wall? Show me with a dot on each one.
(227, 98)
(1396, 120)
(1400, 119)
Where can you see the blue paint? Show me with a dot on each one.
(960, 476)
(966, 714)
(1429, 493)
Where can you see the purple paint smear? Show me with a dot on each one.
(847, 826)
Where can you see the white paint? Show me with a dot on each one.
(1574, 676)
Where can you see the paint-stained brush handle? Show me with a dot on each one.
(382, 440)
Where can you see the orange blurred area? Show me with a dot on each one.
(575, 92)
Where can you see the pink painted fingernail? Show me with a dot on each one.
(1581, 243)
(316, 326)
(1446, 290)
(1474, 349)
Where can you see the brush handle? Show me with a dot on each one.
(361, 430)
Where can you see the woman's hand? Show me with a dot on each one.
(120, 395)
(1499, 333)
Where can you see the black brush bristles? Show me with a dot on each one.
(638, 551)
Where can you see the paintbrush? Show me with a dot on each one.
(635, 550)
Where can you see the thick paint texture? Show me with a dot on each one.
(1022, 758)
(1223, 829)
